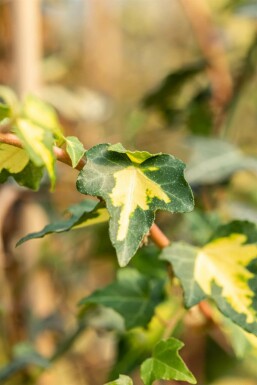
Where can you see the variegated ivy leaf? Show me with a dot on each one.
(166, 364)
(134, 185)
(86, 213)
(75, 149)
(122, 380)
(38, 143)
(43, 115)
(224, 270)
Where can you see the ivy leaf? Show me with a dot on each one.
(166, 364)
(10, 106)
(43, 115)
(224, 270)
(134, 296)
(86, 213)
(12, 159)
(75, 149)
(39, 145)
(15, 162)
(122, 380)
(134, 185)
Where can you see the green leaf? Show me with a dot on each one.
(122, 380)
(29, 177)
(39, 145)
(75, 149)
(4, 111)
(10, 107)
(12, 159)
(224, 270)
(86, 213)
(133, 191)
(166, 364)
(134, 296)
(43, 115)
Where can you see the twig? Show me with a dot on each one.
(60, 154)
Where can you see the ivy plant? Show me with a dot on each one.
(126, 188)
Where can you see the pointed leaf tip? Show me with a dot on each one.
(134, 185)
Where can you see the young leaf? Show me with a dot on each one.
(223, 270)
(134, 185)
(11, 103)
(75, 149)
(12, 159)
(122, 380)
(166, 364)
(39, 145)
(43, 115)
(83, 214)
(134, 296)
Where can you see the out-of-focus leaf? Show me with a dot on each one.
(134, 185)
(133, 295)
(171, 85)
(12, 159)
(199, 114)
(43, 115)
(213, 161)
(4, 111)
(25, 355)
(122, 380)
(10, 106)
(246, 228)
(85, 213)
(246, 8)
(223, 270)
(137, 344)
(166, 364)
(75, 149)
(38, 143)
(29, 177)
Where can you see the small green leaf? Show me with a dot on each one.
(12, 159)
(39, 145)
(43, 115)
(134, 296)
(224, 270)
(4, 111)
(86, 213)
(166, 364)
(29, 177)
(75, 149)
(134, 185)
(122, 380)
(11, 103)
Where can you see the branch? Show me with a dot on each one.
(61, 155)
(157, 236)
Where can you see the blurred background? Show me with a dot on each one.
(177, 76)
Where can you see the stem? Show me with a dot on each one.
(60, 154)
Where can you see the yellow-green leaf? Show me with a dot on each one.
(134, 185)
(75, 149)
(221, 270)
(42, 114)
(39, 145)
(122, 380)
(12, 159)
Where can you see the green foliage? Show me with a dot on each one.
(133, 295)
(134, 185)
(122, 380)
(75, 149)
(166, 364)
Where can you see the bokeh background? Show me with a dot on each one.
(156, 75)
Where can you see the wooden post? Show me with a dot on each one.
(27, 45)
